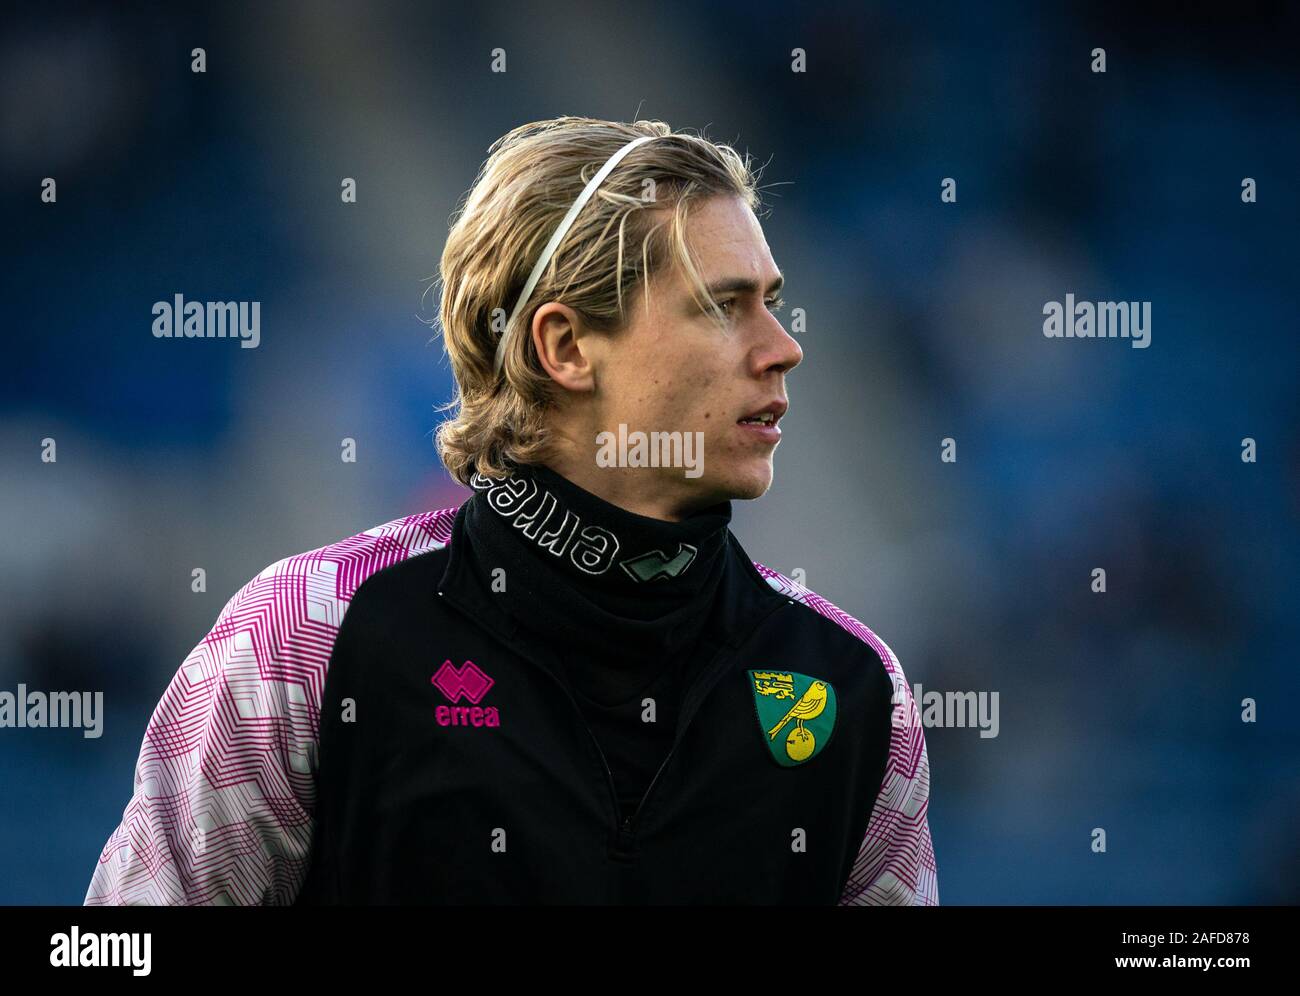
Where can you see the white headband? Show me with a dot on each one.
(560, 232)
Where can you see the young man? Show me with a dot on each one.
(576, 687)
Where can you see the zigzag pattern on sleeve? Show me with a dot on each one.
(225, 788)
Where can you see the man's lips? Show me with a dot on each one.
(767, 416)
(762, 423)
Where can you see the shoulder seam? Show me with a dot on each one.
(827, 609)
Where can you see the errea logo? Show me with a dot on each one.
(469, 682)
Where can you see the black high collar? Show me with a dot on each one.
(559, 560)
(636, 565)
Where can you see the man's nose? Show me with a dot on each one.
(780, 351)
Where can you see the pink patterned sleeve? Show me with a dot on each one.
(895, 863)
(221, 811)
(225, 783)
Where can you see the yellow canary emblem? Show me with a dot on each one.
(801, 707)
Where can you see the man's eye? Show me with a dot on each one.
(726, 306)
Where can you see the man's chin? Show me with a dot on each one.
(746, 484)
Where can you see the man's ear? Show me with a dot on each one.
(563, 346)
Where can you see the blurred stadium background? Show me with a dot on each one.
(1119, 711)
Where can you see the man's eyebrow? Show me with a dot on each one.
(744, 285)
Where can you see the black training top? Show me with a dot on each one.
(536, 697)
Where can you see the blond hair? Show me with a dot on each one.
(530, 178)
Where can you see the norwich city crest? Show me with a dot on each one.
(796, 714)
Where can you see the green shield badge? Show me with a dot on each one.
(796, 714)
